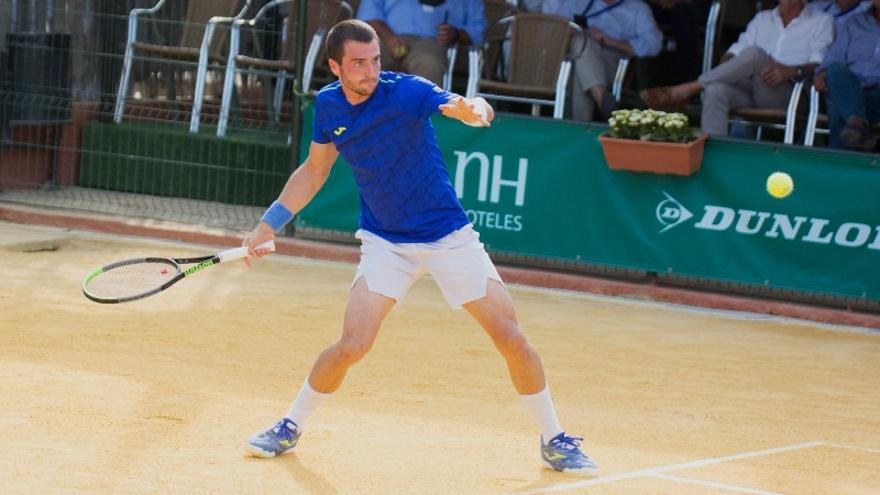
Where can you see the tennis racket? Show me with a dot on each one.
(137, 278)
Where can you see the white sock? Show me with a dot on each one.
(307, 400)
(541, 407)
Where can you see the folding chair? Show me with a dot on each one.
(322, 14)
(539, 63)
(713, 34)
(493, 11)
(815, 119)
(773, 118)
(196, 44)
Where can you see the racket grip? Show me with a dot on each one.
(240, 252)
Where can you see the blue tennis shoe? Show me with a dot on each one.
(563, 453)
(274, 441)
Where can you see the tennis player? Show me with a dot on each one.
(411, 223)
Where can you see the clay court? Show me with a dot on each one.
(157, 396)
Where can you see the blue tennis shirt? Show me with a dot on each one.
(405, 191)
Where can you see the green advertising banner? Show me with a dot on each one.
(541, 188)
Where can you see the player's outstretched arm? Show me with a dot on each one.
(301, 187)
(474, 112)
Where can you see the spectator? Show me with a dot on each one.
(681, 18)
(616, 29)
(777, 47)
(841, 10)
(850, 73)
(414, 34)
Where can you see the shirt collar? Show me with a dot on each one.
(805, 12)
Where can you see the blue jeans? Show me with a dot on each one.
(847, 98)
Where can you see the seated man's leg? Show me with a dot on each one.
(771, 96)
(582, 106)
(603, 94)
(872, 104)
(590, 79)
(748, 63)
(836, 122)
(849, 110)
(718, 99)
(425, 57)
(743, 67)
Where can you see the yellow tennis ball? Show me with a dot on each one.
(779, 185)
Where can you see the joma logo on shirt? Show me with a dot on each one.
(340, 130)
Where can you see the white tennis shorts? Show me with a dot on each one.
(458, 263)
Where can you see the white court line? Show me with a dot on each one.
(853, 447)
(712, 484)
(660, 469)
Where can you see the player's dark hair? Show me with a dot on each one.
(350, 30)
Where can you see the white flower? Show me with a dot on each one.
(641, 124)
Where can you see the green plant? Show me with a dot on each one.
(652, 125)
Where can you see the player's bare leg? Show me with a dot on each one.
(495, 313)
(364, 314)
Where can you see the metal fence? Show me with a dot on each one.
(61, 63)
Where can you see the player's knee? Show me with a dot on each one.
(514, 345)
(352, 350)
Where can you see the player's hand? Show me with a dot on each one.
(259, 235)
(821, 81)
(474, 112)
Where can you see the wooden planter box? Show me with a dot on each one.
(653, 156)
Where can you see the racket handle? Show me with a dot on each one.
(240, 252)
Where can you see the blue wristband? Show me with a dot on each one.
(277, 216)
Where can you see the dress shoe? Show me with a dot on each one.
(661, 98)
(856, 135)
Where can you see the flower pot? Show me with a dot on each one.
(653, 156)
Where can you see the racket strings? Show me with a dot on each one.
(131, 279)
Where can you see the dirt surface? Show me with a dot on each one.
(157, 396)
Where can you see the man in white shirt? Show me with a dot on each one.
(613, 29)
(778, 47)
